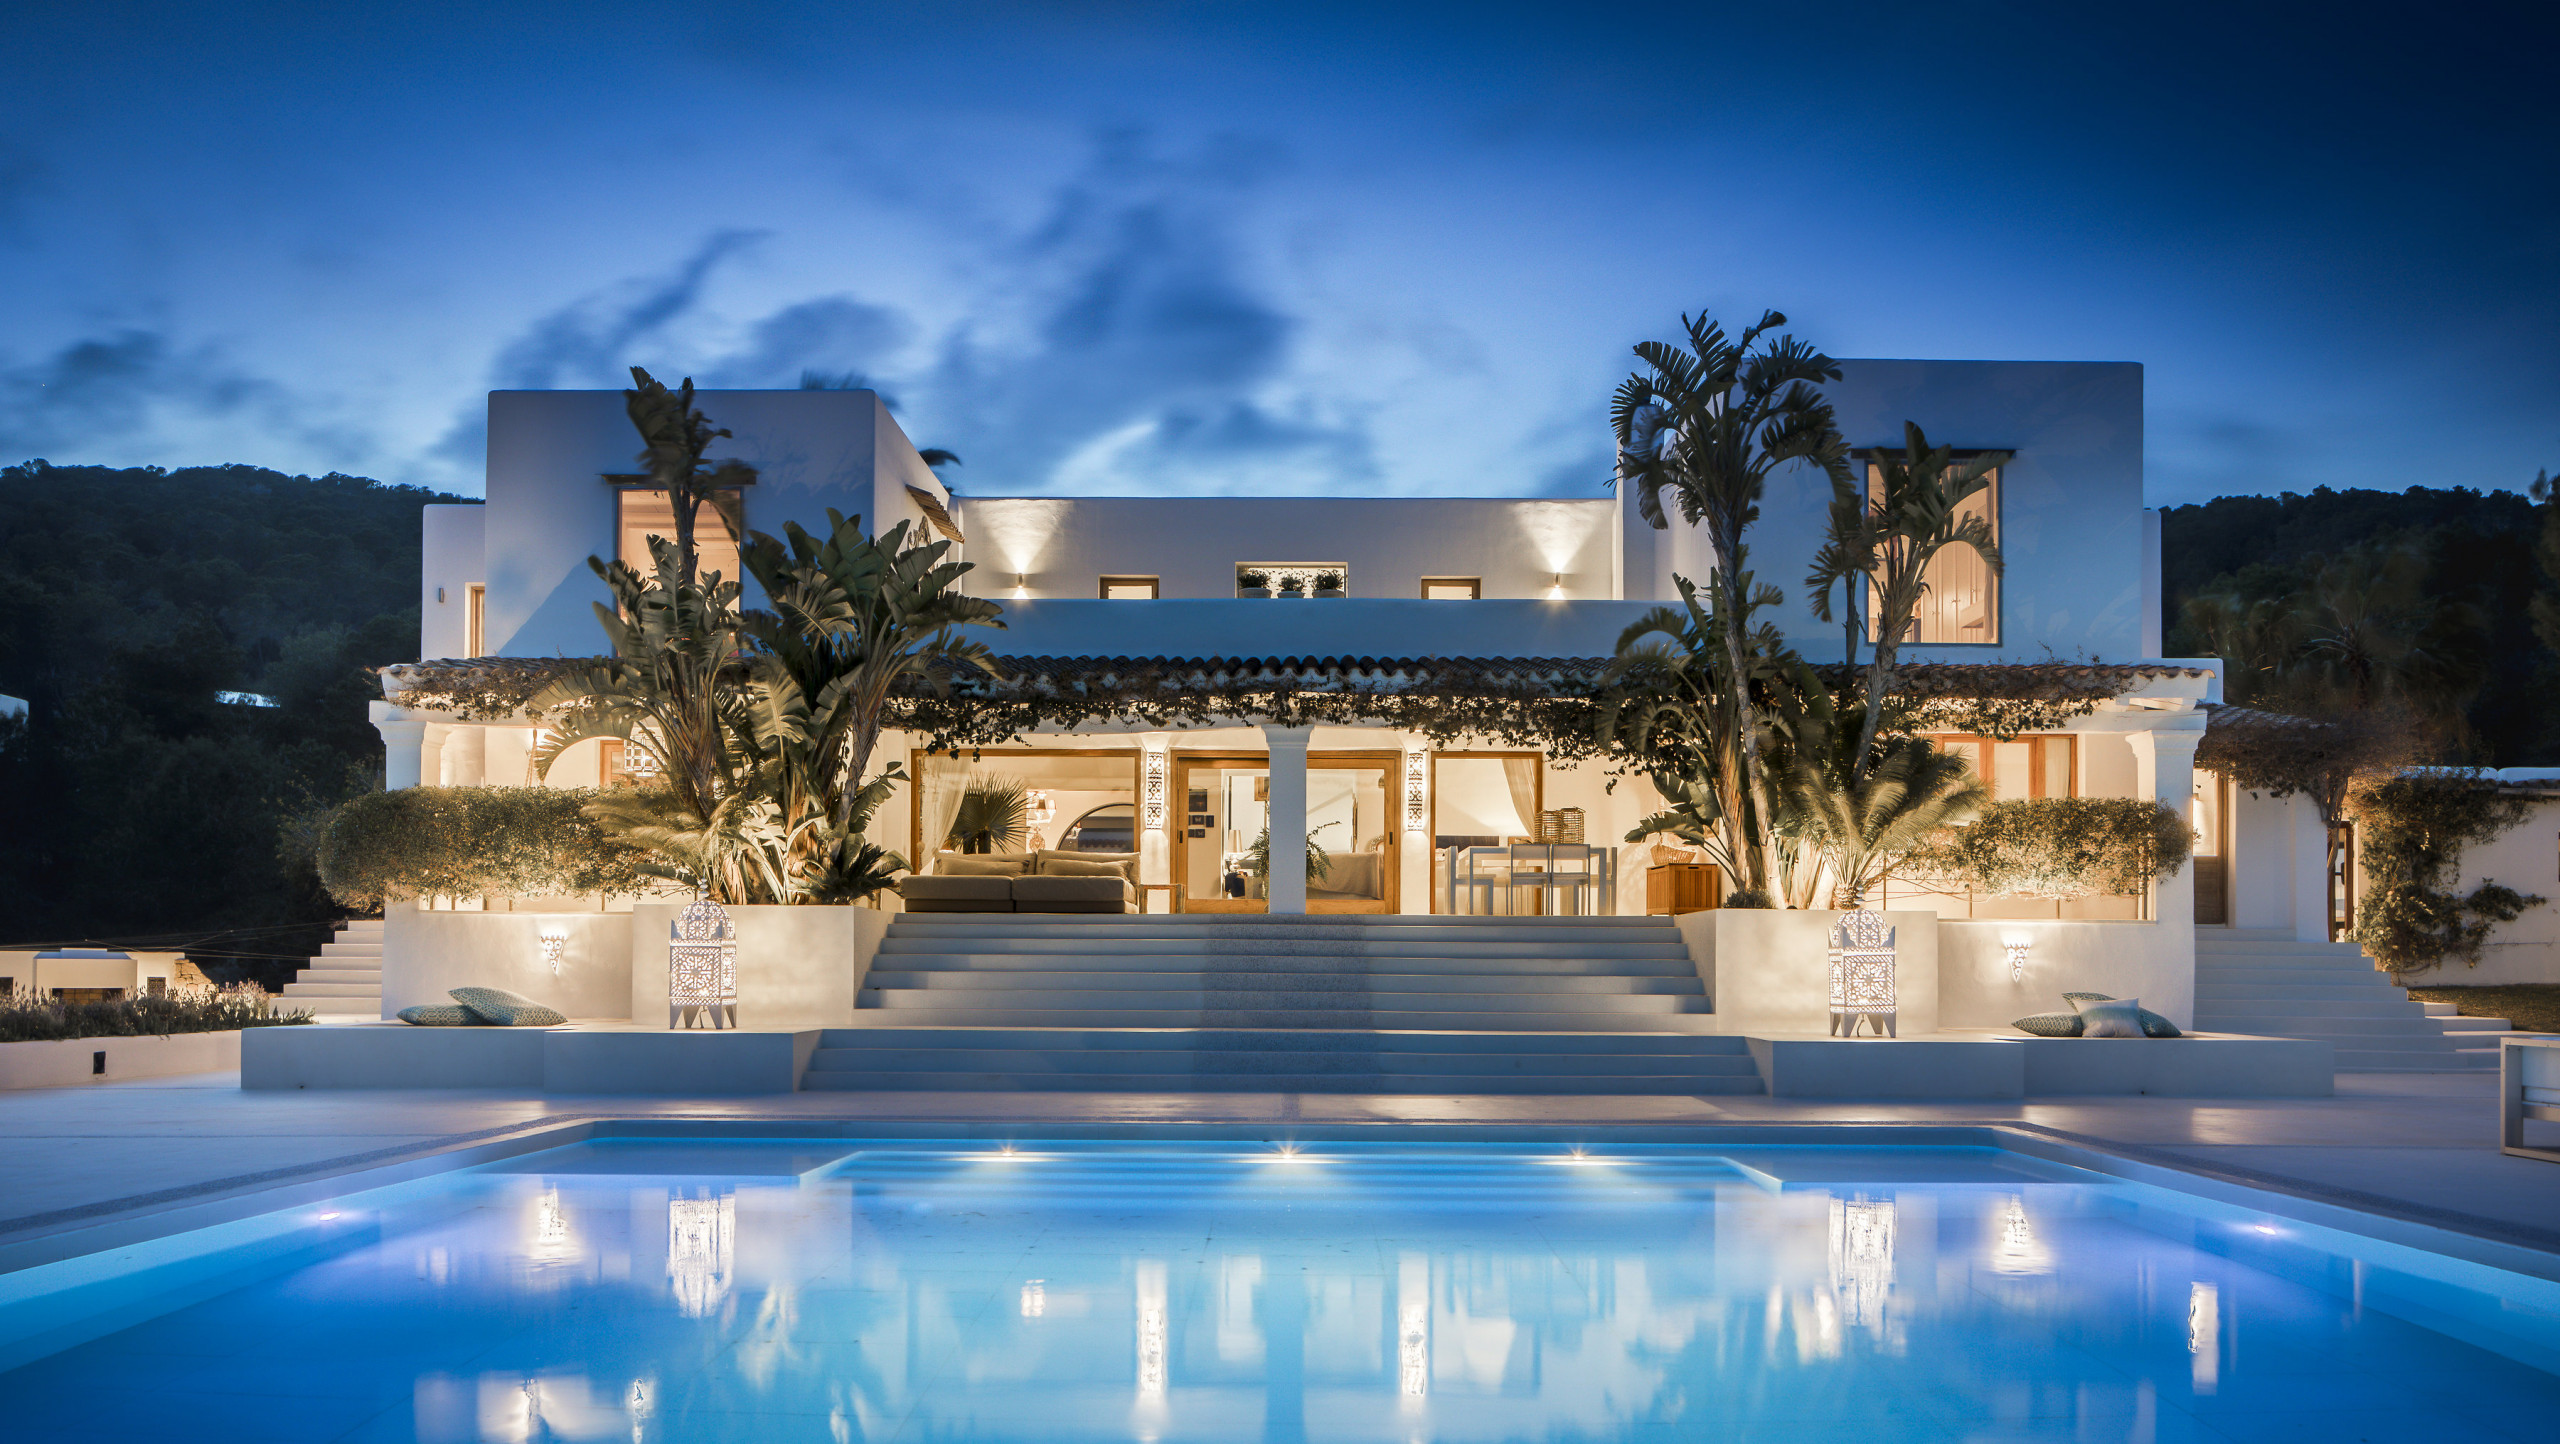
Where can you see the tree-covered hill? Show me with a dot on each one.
(140, 803)
(2478, 552)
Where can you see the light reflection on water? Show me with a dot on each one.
(1166, 1294)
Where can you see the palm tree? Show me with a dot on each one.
(993, 815)
(1888, 540)
(674, 435)
(1708, 422)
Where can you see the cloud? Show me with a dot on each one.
(22, 176)
(1137, 350)
(110, 398)
(591, 342)
(834, 336)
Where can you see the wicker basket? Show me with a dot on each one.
(1563, 824)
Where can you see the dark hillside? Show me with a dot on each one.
(142, 805)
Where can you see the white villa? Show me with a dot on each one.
(1303, 631)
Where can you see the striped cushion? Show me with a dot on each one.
(439, 1015)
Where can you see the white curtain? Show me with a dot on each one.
(943, 786)
(1522, 775)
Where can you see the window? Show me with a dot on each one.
(1130, 589)
(1962, 602)
(2023, 766)
(1452, 589)
(1292, 579)
(642, 512)
(475, 612)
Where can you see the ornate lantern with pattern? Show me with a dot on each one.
(702, 968)
(1862, 974)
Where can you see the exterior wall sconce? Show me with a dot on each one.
(1862, 975)
(1152, 789)
(2017, 962)
(702, 967)
(1417, 796)
(555, 946)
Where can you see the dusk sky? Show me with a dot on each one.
(1104, 248)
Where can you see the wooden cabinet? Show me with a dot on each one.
(1683, 887)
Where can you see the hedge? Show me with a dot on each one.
(26, 1017)
(472, 841)
(2061, 847)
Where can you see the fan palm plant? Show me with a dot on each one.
(1887, 540)
(1707, 423)
(994, 815)
(674, 436)
(1863, 825)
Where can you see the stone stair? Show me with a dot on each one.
(2263, 981)
(344, 983)
(1278, 1004)
(2471, 1031)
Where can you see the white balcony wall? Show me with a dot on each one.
(1062, 546)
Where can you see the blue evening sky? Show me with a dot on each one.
(1222, 247)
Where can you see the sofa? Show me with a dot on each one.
(1047, 881)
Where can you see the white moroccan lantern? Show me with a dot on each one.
(702, 968)
(1862, 974)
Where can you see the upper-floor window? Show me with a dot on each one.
(1130, 589)
(643, 512)
(1452, 589)
(2022, 766)
(475, 620)
(1961, 600)
(1292, 579)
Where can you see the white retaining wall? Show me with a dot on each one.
(1768, 970)
(2525, 857)
(2149, 961)
(65, 1062)
(426, 953)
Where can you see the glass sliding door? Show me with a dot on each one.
(1218, 852)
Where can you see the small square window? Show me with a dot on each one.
(1452, 589)
(1130, 589)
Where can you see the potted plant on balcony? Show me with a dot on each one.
(1253, 584)
(1291, 584)
(1329, 584)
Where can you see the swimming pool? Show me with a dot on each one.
(834, 1290)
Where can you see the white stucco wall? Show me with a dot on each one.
(549, 509)
(1768, 971)
(1062, 546)
(2278, 853)
(2526, 857)
(2122, 959)
(426, 953)
(1331, 627)
(451, 561)
(798, 967)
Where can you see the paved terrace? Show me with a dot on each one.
(2421, 1147)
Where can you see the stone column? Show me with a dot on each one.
(1287, 889)
(2165, 769)
(431, 757)
(404, 739)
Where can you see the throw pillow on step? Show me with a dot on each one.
(2111, 1019)
(2153, 1025)
(438, 1015)
(507, 1010)
(2050, 1025)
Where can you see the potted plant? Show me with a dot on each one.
(1293, 585)
(1253, 584)
(1329, 584)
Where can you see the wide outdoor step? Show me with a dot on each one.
(1614, 1043)
(1354, 963)
(1225, 981)
(2297, 1025)
(2350, 1061)
(1621, 945)
(333, 990)
(2208, 986)
(2474, 1025)
(1315, 1018)
(1269, 1061)
(371, 977)
(2309, 1005)
(1361, 999)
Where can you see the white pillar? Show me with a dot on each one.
(1287, 889)
(431, 755)
(403, 740)
(2164, 760)
(1413, 883)
(1155, 811)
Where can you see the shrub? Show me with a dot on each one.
(470, 841)
(2060, 847)
(2413, 828)
(25, 1017)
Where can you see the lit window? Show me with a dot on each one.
(475, 614)
(1452, 589)
(643, 512)
(2022, 766)
(1962, 600)
(1130, 589)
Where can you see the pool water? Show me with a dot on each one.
(920, 1291)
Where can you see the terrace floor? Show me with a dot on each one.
(2418, 1146)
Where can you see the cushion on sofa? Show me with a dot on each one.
(439, 1015)
(1127, 861)
(941, 887)
(1078, 867)
(2050, 1025)
(1074, 895)
(959, 864)
(507, 1010)
(2153, 1025)
(2115, 1018)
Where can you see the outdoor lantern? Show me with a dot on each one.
(1862, 974)
(555, 946)
(2017, 962)
(702, 967)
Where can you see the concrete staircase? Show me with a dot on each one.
(344, 983)
(2262, 981)
(1275, 1004)
(2467, 1032)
